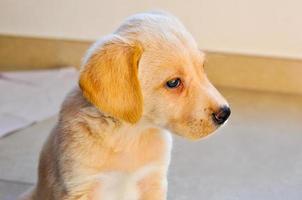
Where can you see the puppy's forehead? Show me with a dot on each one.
(179, 56)
(167, 45)
(155, 28)
(168, 63)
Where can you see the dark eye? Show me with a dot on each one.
(173, 83)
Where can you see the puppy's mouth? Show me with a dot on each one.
(194, 129)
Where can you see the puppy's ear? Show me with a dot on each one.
(109, 79)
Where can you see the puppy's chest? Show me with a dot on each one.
(127, 165)
(118, 185)
(132, 155)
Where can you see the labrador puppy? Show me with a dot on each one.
(136, 87)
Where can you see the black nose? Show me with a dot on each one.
(222, 115)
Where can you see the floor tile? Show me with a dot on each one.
(11, 190)
(19, 152)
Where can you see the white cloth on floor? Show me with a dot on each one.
(30, 96)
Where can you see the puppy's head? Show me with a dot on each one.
(151, 70)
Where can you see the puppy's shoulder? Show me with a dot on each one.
(79, 114)
(74, 103)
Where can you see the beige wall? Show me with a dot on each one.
(259, 27)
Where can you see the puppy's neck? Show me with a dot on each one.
(99, 123)
(117, 134)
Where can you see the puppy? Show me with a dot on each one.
(112, 140)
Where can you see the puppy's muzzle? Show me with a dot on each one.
(221, 115)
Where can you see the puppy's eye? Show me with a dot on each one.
(173, 83)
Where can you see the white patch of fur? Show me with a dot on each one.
(169, 142)
(122, 185)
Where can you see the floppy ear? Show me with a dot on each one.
(109, 79)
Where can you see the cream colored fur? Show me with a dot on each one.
(112, 140)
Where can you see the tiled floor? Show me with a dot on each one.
(257, 155)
